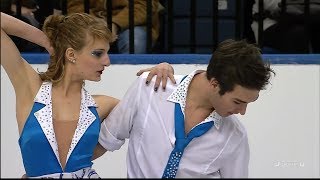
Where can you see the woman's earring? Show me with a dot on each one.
(72, 60)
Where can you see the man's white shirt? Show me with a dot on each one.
(146, 118)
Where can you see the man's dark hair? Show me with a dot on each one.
(238, 63)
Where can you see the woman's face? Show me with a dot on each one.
(92, 60)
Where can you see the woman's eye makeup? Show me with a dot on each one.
(97, 53)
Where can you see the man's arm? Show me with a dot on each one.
(117, 126)
(237, 165)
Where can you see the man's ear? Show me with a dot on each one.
(214, 82)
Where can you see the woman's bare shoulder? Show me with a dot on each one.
(105, 104)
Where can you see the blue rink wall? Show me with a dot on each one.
(184, 58)
(282, 125)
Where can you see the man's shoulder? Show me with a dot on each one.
(234, 121)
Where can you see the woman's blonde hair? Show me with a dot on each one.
(71, 31)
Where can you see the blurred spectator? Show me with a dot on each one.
(120, 20)
(28, 7)
(289, 32)
(6, 6)
(45, 9)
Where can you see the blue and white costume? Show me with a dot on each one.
(38, 142)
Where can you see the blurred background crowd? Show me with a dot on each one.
(187, 26)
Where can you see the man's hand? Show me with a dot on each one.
(162, 71)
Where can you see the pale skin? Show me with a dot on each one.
(66, 94)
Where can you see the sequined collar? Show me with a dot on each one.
(179, 96)
(44, 117)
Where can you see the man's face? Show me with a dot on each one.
(234, 102)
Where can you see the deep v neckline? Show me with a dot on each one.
(72, 134)
(64, 131)
(44, 118)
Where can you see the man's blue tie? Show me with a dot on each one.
(181, 141)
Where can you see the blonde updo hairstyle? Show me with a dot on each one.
(71, 31)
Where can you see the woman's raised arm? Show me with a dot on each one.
(21, 74)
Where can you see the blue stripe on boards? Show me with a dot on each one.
(42, 58)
